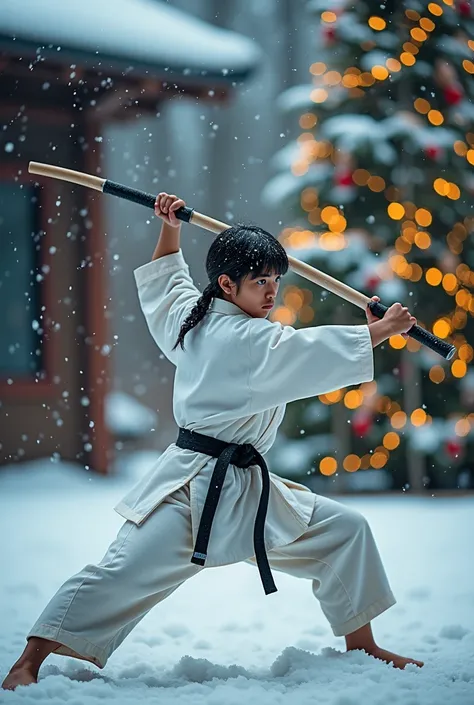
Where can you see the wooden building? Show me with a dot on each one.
(65, 72)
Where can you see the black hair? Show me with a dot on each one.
(238, 251)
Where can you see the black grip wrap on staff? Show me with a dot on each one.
(143, 199)
(423, 336)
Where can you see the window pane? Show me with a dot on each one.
(20, 343)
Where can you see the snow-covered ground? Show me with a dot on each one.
(218, 639)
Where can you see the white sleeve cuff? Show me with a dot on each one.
(366, 352)
(159, 267)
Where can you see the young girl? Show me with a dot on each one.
(210, 499)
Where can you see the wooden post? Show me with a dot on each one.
(97, 361)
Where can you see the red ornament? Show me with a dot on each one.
(329, 34)
(343, 178)
(433, 152)
(362, 423)
(453, 448)
(453, 94)
(464, 8)
(372, 281)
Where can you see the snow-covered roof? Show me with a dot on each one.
(146, 36)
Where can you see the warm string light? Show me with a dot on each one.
(391, 440)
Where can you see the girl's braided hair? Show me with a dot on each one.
(237, 251)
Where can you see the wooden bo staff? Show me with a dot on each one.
(189, 215)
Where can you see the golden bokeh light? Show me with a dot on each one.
(332, 78)
(416, 273)
(398, 419)
(460, 148)
(433, 276)
(437, 374)
(393, 65)
(330, 214)
(378, 460)
(466, 352)
(283, 315)
(338, 225)
(351, 463)
(458, 368)
(435, 9)
(396, 211)
(441, 186)
(462, 298)
(366, 79)
(435, 117)
(418, 34)
(427, 24)
(459, 320)
(294, 300)
(309, 198)
(422, 106)
(307, 121)
(423, 217)
(462, 427)
(318, 95)
(353, 399)
(318, 68)
(376, 184)
(397, 342)
(332, 397)
(379, 72)
(422, 240)
(306, 314)
(361, 177)
(328, 17)
(450, 283)
(332, 241)
(301, 239)
(349, 80)
(407, 59)
(454, 192)
(418, 417)
(377, 23)
(442, 328)
(391, 440)
(402, 245)
(410, 48)
(328, 466)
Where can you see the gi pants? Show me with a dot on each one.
(94, 610)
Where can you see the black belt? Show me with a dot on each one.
(243, 456)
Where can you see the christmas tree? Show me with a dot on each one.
(378, 188)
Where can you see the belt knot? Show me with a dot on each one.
(244, 455)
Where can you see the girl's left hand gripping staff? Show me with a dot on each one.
(189, 215)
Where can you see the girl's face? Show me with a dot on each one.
(257, 292)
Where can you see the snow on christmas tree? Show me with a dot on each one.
(379, 188)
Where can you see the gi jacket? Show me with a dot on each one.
(232, 382)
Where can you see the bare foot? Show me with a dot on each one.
(395, 659)
(19, 676)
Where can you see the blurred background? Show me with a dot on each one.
(346, 130)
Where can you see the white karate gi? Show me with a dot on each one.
(233, 381)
